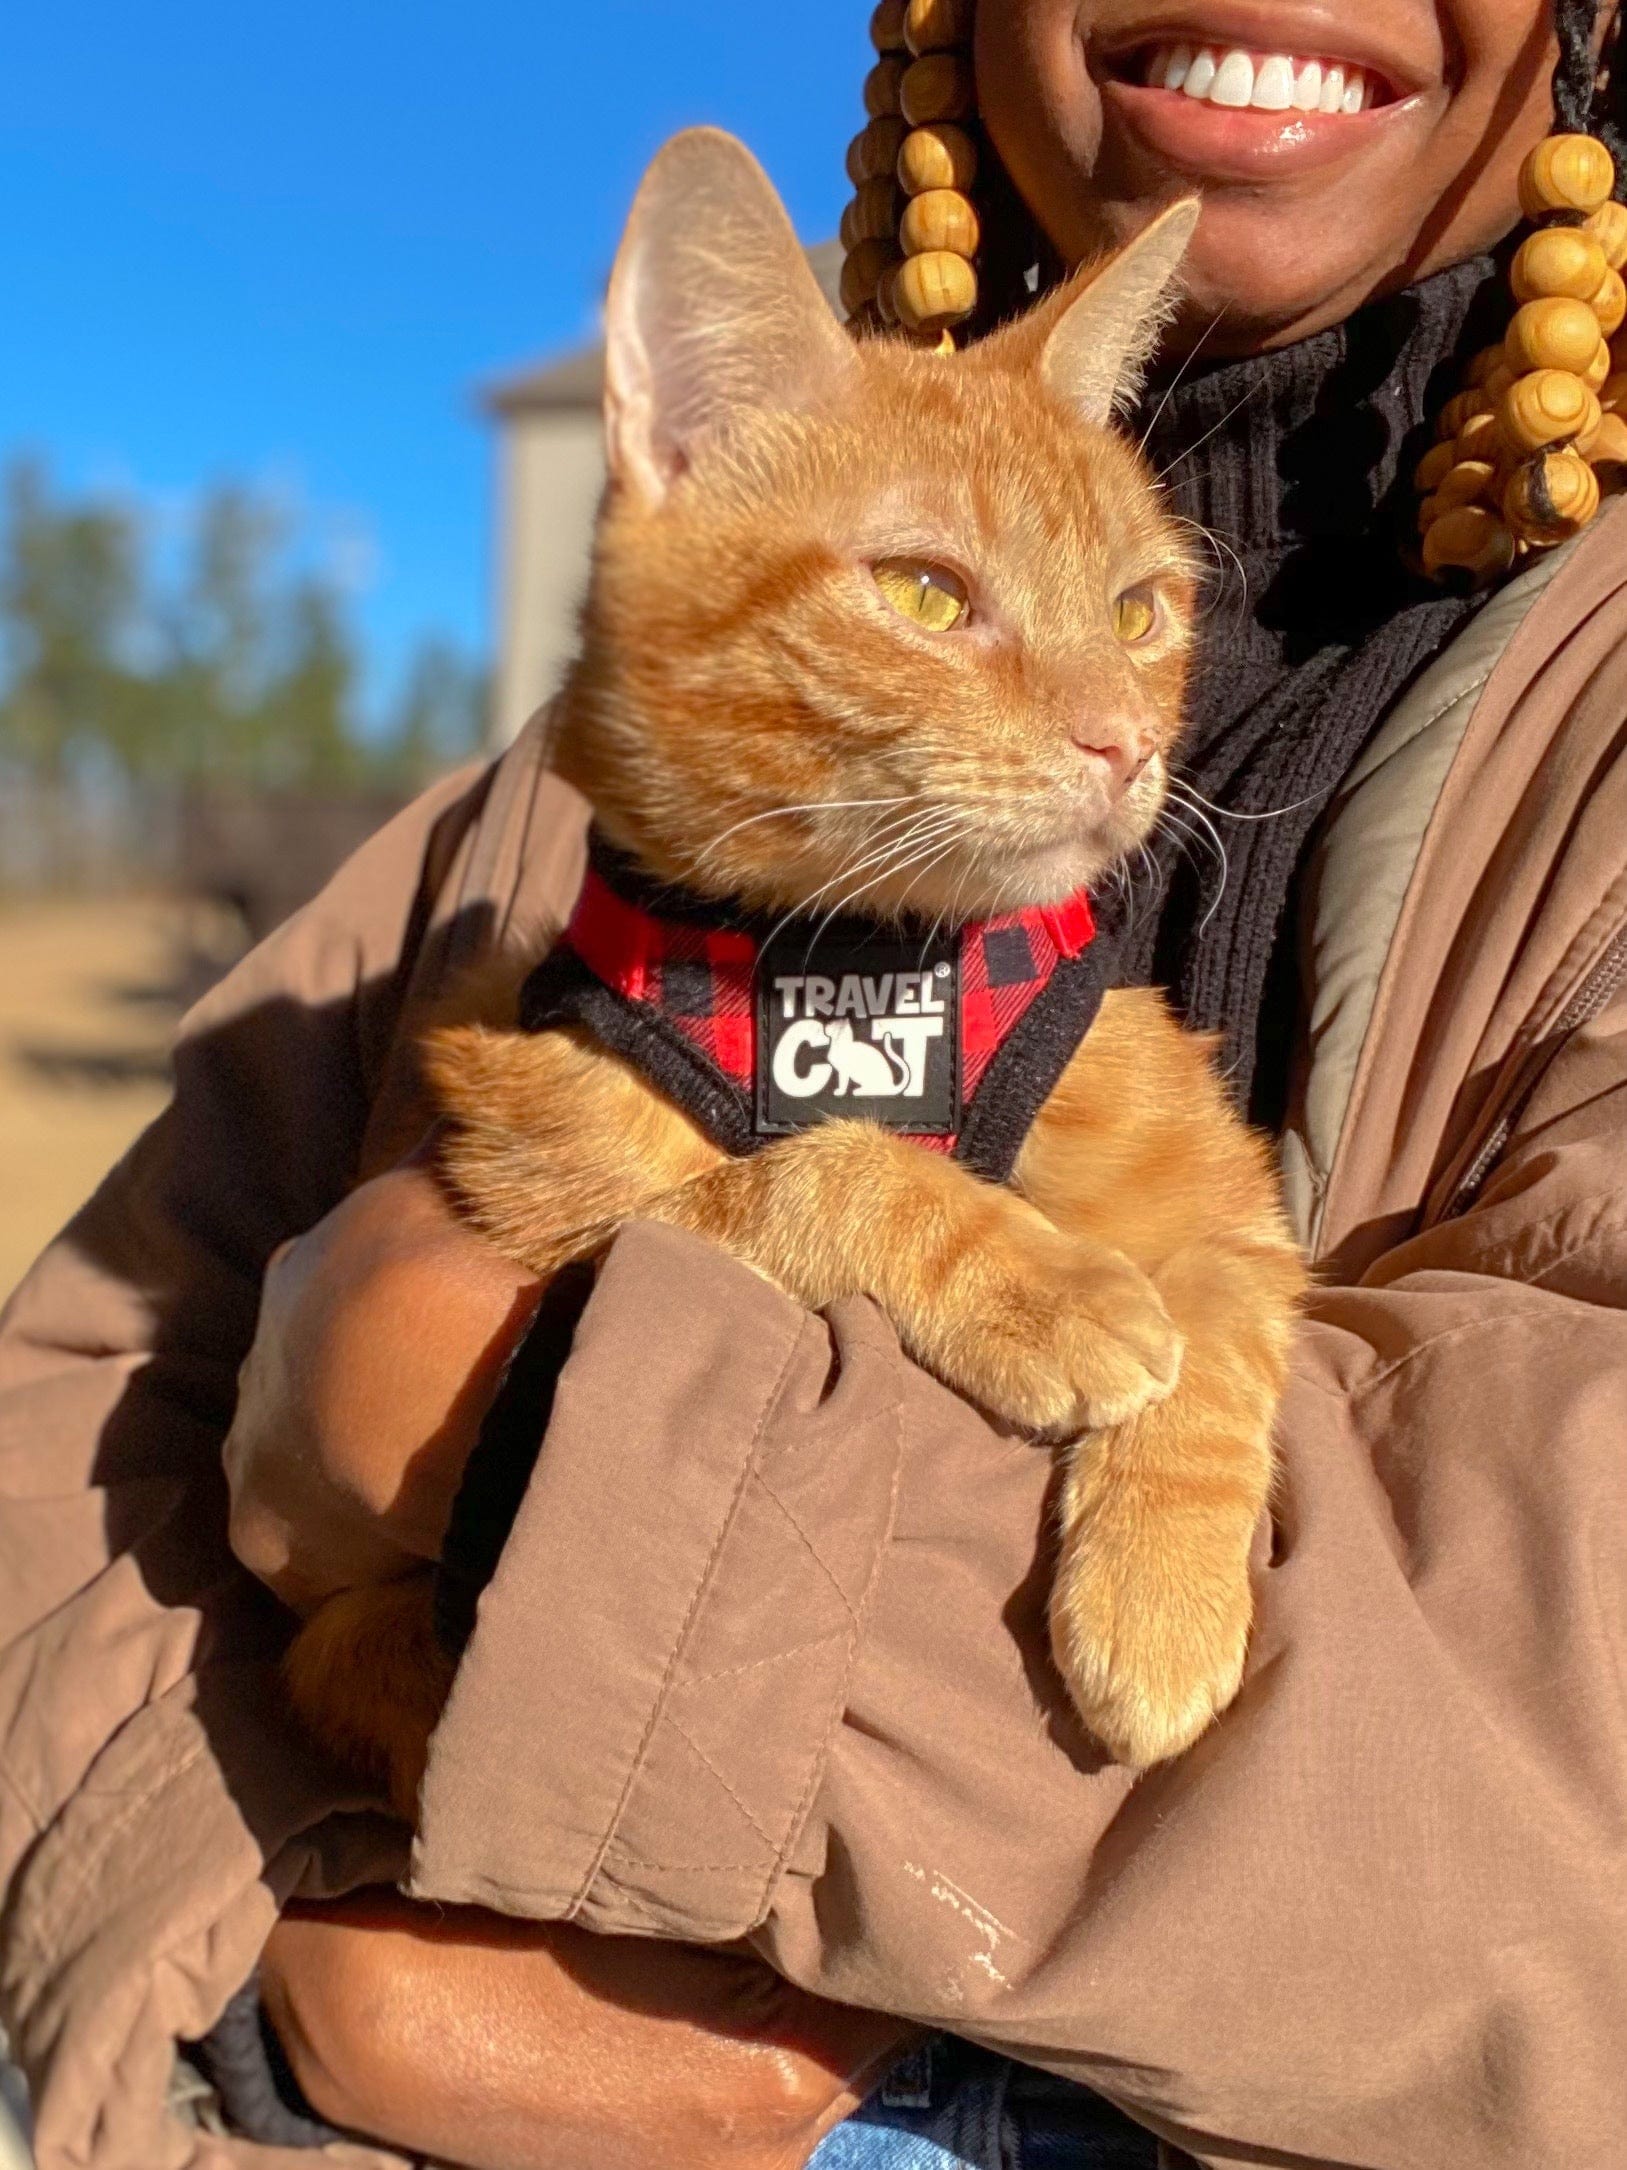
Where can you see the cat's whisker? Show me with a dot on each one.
(951, 911)
(1196, 799)
(1172, 821)
(898, 856)
(1182, 457)
(1198, 814)
(1149, 882)
(926, 866)
(1213, 540)
(917, 824)
(1211, 838)
(1174, 382)
(808, 806)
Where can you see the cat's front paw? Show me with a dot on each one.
(1063, 1338)
(1150, 1615)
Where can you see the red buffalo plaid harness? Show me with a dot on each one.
(741, 1019)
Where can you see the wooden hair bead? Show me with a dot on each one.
(1609, 304)
(941, 219)
(861, 274)
(937, 87)
(1608, 226)
(1551, 498)
(1553, 334)
(1470, 540)
(1548, 407)
(887, 295)
(883, 86)
(887, 26)
(938, 288)
(1436, 464)
(873, 153)
(1482, 366)
(1481, 438)
(1597, 372)
(1613, 393)
(935, 26)
(1497, 384)
(1458, 410)
(872, 215)
(1467, 483)
(1608, 448)
(1559, 261)
(941, 156)
(1566, 173)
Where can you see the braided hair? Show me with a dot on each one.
(1590, 98)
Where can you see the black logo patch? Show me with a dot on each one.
(863, 1026)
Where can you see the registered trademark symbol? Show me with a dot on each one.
(940, 971)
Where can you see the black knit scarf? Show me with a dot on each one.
(1300, 462)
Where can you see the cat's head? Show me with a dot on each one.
(870, 626)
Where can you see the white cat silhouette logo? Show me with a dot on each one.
(902, 1013)
(871, 1033)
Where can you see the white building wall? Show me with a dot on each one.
(551, 463)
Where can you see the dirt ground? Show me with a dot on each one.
(87, 1009)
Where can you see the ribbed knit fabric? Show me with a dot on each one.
(1300, 462)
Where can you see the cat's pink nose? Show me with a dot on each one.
(1122, 749)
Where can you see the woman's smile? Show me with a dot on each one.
(1204, 97)
(1341, 151)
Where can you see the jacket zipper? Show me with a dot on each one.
(1589, 999)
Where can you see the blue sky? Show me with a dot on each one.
(288, 244)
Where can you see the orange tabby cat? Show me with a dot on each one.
(906, 632)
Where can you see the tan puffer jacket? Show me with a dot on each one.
(764, 1651)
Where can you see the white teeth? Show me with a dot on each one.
(1277, 83)
(1274, 84)
(1201, 75)
(1234, 81)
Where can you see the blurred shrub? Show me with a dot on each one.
(130, 686)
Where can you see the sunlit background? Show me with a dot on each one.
(298, 444)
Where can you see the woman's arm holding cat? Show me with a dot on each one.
(381, 1335)
(516, 2046)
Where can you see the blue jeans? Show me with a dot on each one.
(949, 2106)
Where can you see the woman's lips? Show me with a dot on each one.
(1244, 142)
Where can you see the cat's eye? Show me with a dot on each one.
(930, 596)
(1135, 613)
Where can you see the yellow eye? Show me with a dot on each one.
(928, 595)
(1135, 614)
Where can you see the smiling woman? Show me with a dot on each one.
(1306, 214)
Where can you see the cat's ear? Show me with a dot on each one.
(1100, 345)
(712, 308)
